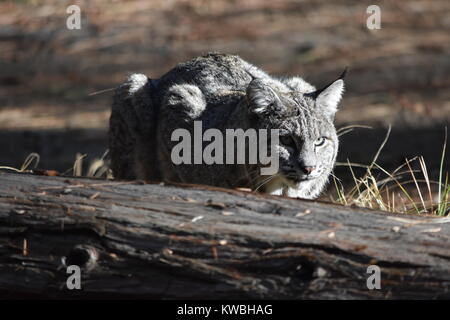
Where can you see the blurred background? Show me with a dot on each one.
(399, 75)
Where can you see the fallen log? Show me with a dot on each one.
(135, 239)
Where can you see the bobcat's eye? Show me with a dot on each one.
(320, 142)
(287, 141)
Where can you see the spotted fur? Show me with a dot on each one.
(225, 92)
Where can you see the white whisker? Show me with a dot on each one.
(267, 180)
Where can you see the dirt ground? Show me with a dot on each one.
(399, 75)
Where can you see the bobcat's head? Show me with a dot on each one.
(308, 141)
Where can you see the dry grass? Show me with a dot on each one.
(97, 168)
(405, 190)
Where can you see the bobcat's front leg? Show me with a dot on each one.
(182, 105)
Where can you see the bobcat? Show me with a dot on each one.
(224, 91)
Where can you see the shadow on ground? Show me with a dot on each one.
(58, 148)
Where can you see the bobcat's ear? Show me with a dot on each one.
(262, 98)
(328, 98)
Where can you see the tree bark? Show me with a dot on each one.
(141, 240)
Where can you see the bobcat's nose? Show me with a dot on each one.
(308, 169)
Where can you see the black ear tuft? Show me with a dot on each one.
(344, 73)
(316, 93)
